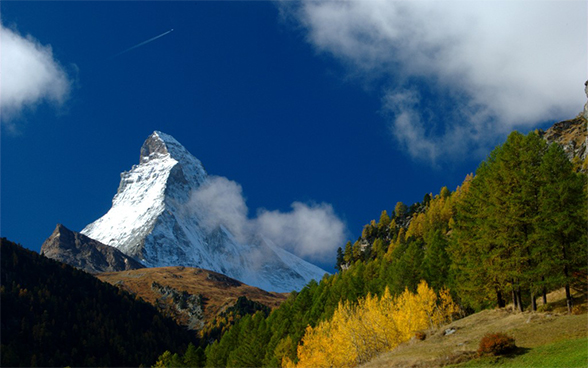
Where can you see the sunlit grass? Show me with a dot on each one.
(565, 353)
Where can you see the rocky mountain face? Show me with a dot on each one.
(572, 135)
(585, 112)
(152, 221)
(193, 297)
(82, 252)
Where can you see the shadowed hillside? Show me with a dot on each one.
(56, 315)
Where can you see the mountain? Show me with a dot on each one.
(152, 220)
(78, 250)
(572, 135)
(54, 315)
(192, 296)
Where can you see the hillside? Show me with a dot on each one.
(192, 296)
(513, 233)
(56, 315)
(458, 341)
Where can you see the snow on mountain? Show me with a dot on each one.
(151, 220)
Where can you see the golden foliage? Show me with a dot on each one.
(358, 332)
(417, 226)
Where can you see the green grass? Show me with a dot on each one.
(561, 354)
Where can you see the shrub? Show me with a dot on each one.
(496, 344)
(420, 335)
(545, 308)
(578, 309)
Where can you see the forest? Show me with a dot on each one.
(56, 315)
(511, 233)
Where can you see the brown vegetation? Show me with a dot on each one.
(496, 344)
(218, 291)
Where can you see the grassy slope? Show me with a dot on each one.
(219, 291)
(564, 353)
(560, 337)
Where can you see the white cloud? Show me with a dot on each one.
(29, 75)
(309, 231)
(312, 231)
(222, 201)
(500, 64)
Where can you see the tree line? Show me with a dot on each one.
(56, 315)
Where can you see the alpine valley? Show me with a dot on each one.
(493, 273)
(293, 184)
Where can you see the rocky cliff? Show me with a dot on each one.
(572, 135)
(78, 250)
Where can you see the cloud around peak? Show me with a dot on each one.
(30, 75)
(311, 231)
(457, 76)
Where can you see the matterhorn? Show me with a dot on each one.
(152, 221)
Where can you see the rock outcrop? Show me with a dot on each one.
(78, 250)
(572, 135)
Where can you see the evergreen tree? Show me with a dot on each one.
(475, 268)
(520, 226)
(444, 193)
(379, 248)
(340, 259)
(194, 357)
(400, 210)
(348, 255)
(436, 261)
(384, 221)
(357, 251)
(561, 245)
(426, 199)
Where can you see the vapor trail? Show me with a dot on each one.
(142, 43)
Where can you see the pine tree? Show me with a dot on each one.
(520, 225)
(400, 210)
(348, 255)
(194, 357)
(561, 245)
(379, 248)
(436, 261)
(384, 221)
(357, 251)
(340, 259)
(444, 193)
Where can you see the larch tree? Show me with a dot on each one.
(561, 246)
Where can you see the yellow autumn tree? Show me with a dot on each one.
(417, 226)
(358, 332)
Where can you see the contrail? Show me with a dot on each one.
(142, 43)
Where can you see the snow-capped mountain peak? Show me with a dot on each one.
(161, 146)
(152, 220)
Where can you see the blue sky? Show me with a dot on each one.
(357, 105)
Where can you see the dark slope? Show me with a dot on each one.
(55, 315)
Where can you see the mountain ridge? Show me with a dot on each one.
(153, 221)
(82, 252)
